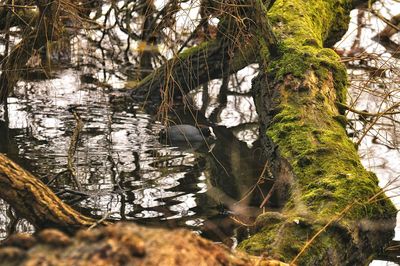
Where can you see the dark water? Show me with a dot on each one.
(124, 170)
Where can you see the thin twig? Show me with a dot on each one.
(73, 146)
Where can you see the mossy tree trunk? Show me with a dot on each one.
(318, 173)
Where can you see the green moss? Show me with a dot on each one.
(269, 241)
(285, 238)
(264, 51)
(315, 148)
(201, 48)
(314, 20)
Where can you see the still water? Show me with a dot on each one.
(124, 171)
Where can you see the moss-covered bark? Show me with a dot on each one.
(318, 171)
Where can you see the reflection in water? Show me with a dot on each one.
(125, 172)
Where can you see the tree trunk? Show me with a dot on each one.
(325, 190)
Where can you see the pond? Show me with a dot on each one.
(125, 171)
